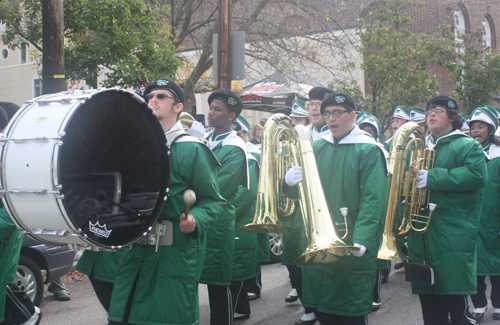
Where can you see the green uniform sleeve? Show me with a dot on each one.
(232, 173)
(204, 182)
(373, 181)
(470, 176)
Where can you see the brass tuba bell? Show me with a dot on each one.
(324, 245)
(408, 140)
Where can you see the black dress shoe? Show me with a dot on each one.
(306, 322)
(475, 316)
(252, 296)
(291, 298)
(241, 316)
(496, 316)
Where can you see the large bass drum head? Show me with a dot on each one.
(113, 168)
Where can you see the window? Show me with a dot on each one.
(486, 33)
(459, 25)
(37, 86)
(4, 54)
(22, 54)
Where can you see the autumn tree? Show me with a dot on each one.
(474, 68)
(121, 39)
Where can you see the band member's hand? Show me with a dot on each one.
(358, 250)
(188, 225)
(422, 178)
(294, 176)
(197, 130)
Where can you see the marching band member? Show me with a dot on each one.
(245, 250)
(483, 124)
(401, 116)
(295, 242)
(162, 287)
(417, 115)
(318, 127)
(230, 150)
(353, 173)
(449, 245)
(371, 125)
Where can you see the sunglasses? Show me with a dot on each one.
(160, 96)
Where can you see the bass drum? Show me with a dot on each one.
(88, 168)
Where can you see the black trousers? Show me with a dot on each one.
(254, 285)
(221, 308)
(435, 309)
(479, 300)
(239, 296)
(331, 319)
(103, 291)
(295, 273)
(378, 287)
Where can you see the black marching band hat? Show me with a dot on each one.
(443, 101)
(230, 98)
(167, 84)
(338, 99)
(319, 93)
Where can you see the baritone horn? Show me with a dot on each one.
(324, 245)
(407, 145)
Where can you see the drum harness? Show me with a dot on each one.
(162, 232)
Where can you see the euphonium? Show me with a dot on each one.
(324, 245)
(186, 120)
(403, 186)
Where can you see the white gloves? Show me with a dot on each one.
(358, 252)
(294, 176)
(422, 178)
(197, 130)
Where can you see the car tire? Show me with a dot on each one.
(29, 278)
(275, 247)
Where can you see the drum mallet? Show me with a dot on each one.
(189, 199)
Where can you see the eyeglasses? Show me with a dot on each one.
(314, 104)
(436, 111)
(160, 96)
(326, 115)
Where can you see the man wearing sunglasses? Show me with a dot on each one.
(353, 173)
(449, 245)
(161, 287)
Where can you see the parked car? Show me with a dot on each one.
(55, 261)
(275, 247)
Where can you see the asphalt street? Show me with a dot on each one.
(399, 306)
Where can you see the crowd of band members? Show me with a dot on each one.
(140, 285)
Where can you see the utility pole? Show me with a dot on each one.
(224, 46)
(53, 75)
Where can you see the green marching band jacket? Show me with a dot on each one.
(456, 185)
(231, 152)
(11, 241)
(263, 254)
(166, 291)
(353, 174)
(245, 248)
(488, 240)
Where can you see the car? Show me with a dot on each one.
(276, 246)
(56, 261)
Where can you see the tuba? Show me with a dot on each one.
(324, 245)
(408, 140)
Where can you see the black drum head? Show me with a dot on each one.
(113, 168)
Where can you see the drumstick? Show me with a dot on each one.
(189, 199)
